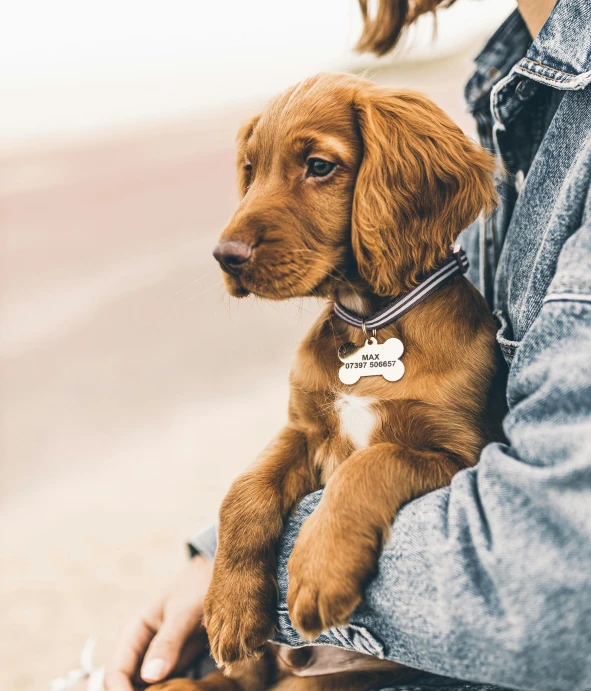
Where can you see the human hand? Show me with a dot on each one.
(166, 636)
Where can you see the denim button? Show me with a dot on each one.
(525, 89)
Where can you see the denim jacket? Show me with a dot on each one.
(490, 579)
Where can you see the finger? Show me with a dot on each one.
(129, 653)
(167, 646)
(189, 656)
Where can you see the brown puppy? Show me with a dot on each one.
(353, 193)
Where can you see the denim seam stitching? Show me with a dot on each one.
(567, 82)
(547, 67)
(546, 76)
(567, 297)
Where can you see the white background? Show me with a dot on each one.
(71, 67)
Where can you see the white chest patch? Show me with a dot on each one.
(356, 417)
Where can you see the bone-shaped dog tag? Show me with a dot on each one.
(370, 360)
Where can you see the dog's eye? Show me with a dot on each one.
(319, 168)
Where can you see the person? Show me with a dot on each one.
(488, 580)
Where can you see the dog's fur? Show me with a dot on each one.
(406, 182)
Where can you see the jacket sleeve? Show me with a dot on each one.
(490, 579)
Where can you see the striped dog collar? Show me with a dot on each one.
(456, 264)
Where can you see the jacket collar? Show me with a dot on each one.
(559, 57)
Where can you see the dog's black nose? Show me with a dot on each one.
(232, 255)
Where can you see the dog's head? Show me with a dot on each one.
(346, 183)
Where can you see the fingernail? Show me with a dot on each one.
(153, 669)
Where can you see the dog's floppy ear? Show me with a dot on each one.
(420, 183)
(244, 134)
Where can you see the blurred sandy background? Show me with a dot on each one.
(132, 390)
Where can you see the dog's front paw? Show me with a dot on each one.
(239, 615)
(328, 569)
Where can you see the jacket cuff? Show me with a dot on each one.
(204, 542)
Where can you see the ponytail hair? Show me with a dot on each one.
(382, 31)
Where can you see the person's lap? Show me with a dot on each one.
(425, 682)
(442, 684)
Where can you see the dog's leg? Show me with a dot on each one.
(338, 547)
(241, 602)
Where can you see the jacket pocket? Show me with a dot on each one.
(507, 345)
